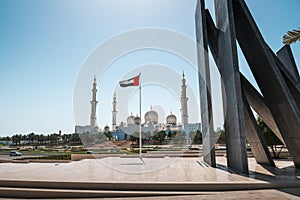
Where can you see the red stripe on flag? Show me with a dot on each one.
(136, 80)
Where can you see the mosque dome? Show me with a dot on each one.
(137, 120)
(171, 119)
(130, 119)
(151, 116)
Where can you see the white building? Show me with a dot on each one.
(151, 119)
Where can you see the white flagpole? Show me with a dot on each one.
(140, 88)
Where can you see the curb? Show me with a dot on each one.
(151, 186)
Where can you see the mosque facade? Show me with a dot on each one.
(151, 119)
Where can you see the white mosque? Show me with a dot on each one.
(151, 122)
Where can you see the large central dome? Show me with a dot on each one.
(151, 116)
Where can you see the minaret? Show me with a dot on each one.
(94, 105)
(183, 100)
(114, 112)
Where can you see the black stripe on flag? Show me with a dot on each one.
(130, 82)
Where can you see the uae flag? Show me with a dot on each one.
(130, 82)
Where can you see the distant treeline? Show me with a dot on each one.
(54, 139)
(41, 139)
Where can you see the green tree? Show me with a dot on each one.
(198, 137)
(66, 138)
(16, 139)
(159, 136)
(24, 138)
(171, 134)
(54, 138)
(75, 139)
(7, 139)
(270, 138)
(221, 137)
(30, 138)
(108, 135)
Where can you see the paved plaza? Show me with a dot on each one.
(152, 176)
(169, 169)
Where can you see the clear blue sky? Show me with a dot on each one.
(43, 45)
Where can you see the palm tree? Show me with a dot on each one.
(30, 138)
(16, 139)
(291, 37)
